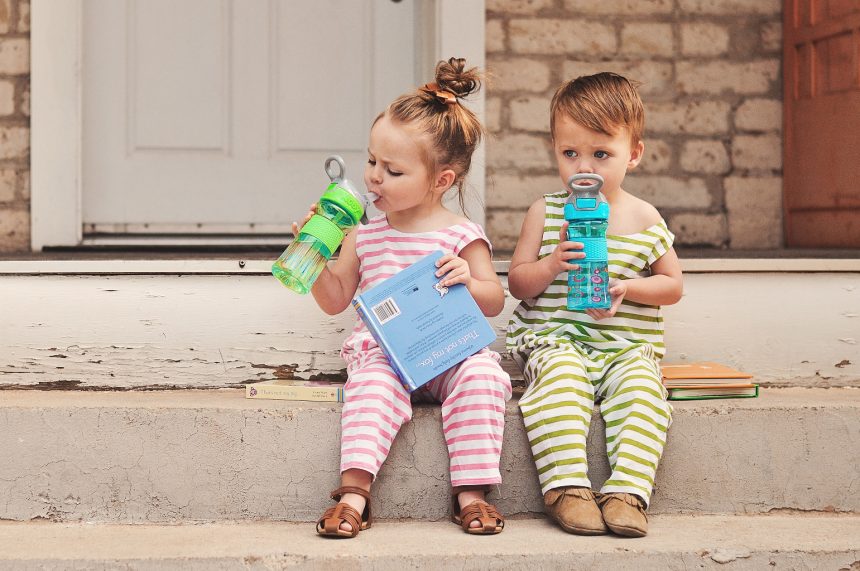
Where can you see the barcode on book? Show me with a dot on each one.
(386, 310)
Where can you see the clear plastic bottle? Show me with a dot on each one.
(339, 209)
(587, 214)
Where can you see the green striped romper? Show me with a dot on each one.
(569, 361)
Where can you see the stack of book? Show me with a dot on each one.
(705, 380)
(326, 391)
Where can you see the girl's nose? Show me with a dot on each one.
(375, 174)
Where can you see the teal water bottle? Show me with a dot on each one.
(339, 209)
(587, 214)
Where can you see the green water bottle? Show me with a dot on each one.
(339, 209)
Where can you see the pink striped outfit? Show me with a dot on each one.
(472, 394)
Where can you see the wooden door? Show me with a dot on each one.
(822, 123)
(215, 117)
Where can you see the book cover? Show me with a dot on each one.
(702, 373)
(326, 391)
(423, 328)
(700, 392)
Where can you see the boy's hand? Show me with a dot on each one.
(455, 269)
(564, 252)
(617, 291)
(308, 216)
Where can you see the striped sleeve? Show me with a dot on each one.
(468, 233)
(662, 241)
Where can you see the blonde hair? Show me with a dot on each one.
(434, 109)
(604, 102)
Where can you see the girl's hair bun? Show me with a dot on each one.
(453, 76)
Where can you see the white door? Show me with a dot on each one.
(215, 116)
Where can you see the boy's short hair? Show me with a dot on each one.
(604, 102)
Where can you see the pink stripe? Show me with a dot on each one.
(472, 408)
(477, 422)
(482, 466)
(365, 424)
(475, 436)
(358, 451)
(382, 413)
(352, 464)
(477, 481)
(475, 452)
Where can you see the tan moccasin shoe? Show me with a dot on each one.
(624, 514)
(575, 510)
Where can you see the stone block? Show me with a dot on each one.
(731, 7)
(518, 74)
(7, 97)
(688, 118)
(14, 230)
(495, 35)
(562, 37)
(704, 39)
(669, 191)
(618, 7)
(518, 6)
(718, 77)
(14, 142)
(754, 207)
(530, 114)
(519, 151)
(699, 229)
(655, 77)
(705, 157)
(757, 152)
(644, 39)
(759, 115)
(658, 157)
(493, 114)
(14, 56)
(5, 16)
(8, 185)
(519, 191)
(771, 36)
(23, 16)
(503, 228)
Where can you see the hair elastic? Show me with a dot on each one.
(443, 95)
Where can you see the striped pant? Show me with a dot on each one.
(472, 395)
(564, 381)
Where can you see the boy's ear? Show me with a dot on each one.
(444, 179)
(636, 154)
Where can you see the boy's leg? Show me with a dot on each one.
(557, 408)
(637, 419)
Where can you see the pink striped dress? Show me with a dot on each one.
(472, 394)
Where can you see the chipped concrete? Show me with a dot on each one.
(172, 456)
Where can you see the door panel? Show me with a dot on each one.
(822, 123)
(216, 116)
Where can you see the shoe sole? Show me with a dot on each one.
(627, 531)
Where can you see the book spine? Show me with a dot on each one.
(275, 392)
(372, 326)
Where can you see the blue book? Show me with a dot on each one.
(423, 328)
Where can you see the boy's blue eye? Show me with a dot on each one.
(601, 154)
(570, 154)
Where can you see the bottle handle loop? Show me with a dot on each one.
(330, 171)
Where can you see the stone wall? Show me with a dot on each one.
(711, 79)
(14, 125)
(712, 85)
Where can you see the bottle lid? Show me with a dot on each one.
(341, 192)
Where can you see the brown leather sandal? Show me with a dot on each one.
(329, 524)
(492, 522)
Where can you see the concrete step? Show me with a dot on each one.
(734, 542)
(174, 456)
(133, 324)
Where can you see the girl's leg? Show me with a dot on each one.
(557, 408)
(376, 406)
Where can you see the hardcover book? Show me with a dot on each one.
(423, 328)
(703, 373)
(703, 392)
(327, 391)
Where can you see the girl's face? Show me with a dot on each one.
(395, 169)
(578, 149)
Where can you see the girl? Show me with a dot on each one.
(420, 147)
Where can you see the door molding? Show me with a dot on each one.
(447, 28)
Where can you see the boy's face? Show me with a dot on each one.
(578, 149)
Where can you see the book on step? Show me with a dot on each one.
(423, 328)
(325, 391)
(706, 380)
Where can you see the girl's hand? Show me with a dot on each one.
(564, 252)
(455, 269)
(617, 291)
(311, 212)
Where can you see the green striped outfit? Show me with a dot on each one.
(569, 361)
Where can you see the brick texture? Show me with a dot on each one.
(710, 73)
(14, 126)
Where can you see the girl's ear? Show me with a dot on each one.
(636, 154)
(444, 180)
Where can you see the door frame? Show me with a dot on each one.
(448, 27)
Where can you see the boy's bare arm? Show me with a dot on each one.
(664, 286)
(528, 277)
(336, 285)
